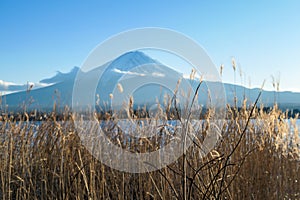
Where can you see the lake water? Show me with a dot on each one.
(129, 127)
(125, 126)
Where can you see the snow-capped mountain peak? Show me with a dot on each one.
(130, 67)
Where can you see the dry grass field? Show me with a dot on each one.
(256, 158)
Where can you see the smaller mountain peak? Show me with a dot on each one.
(60, 76)
(75, 69)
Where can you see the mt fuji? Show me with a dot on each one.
(132, 70)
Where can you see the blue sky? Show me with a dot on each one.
(40, 37)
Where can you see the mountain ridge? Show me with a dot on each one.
(128, 66)
(60, 76)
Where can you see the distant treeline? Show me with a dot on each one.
(171, 114)
(290, 113)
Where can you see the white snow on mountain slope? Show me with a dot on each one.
(154, 74)
(128, 72)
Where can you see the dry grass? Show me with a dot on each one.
(255, 159)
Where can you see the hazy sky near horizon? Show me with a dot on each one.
(38, 38)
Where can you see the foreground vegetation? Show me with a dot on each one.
(254, 159)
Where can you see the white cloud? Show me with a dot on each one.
(10, 87)
(6, 84)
